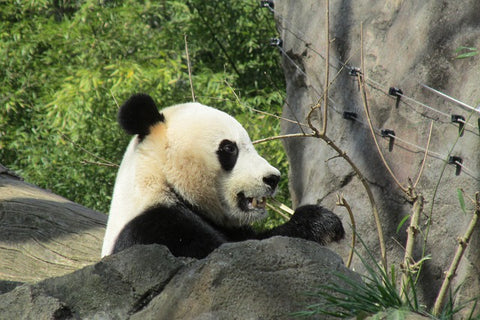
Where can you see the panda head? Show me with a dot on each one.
(194, 154)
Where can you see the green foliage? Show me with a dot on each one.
(466, 52)
(377, 296)
(461, 200)
(66, 65)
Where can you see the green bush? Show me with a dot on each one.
(66, 65)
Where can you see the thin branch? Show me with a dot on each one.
(436, 190)
(343, 203)
(309, 119)
(420, 172)
(213, 35)
(286, 136)
(362, 60)
(283, 207)
(189, 68)
(462, 245)
(102, 164)
(364, 182)
(383, 250)
(260, 111)
(114, 99)
(283, 215)
(327, 69)
(103, 160)
(369, 121)
(286, 102)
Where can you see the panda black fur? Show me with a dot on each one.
(191, 180)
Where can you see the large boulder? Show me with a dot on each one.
(405, 44)
(266, 279)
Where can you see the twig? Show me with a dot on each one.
(189, 68)
(369, 121)
(283, 215)
(436, 190)
(114, 99)
(286, 102)
(104, 161)
(263, 112)
(102, 164)
(283, 207)
(214, 36)
(327, 69)
(286, 136)
(462, 245)
(362, 60)
(343, 203)
(383, 250)
(420, 172)
(364, 182)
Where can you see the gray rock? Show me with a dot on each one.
(405, 43)
(266, 279)
(111, 289)
(247, 280)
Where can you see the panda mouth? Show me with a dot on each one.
(251, 203)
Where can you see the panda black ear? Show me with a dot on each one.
(138, 114)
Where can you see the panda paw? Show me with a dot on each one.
(313, 222)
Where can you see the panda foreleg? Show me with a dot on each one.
(184, 232)
(310, 222)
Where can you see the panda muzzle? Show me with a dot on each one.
(258, 203)
(251, 203)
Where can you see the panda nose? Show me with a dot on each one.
(272, 181)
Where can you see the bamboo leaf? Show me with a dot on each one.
(400, 225)
(467, 55)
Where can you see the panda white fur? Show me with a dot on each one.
(191, 179)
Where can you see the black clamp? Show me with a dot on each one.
(267, 4)
(276, 42)
(457, 161)
(387, 133)
(456, 118)
(354, 72)
(349, 115)
(396, 92)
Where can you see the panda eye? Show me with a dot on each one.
(227, 154)
(229, 147)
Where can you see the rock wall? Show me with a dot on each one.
(405, 44)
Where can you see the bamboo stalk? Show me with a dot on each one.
(462, 245)
(412, 231)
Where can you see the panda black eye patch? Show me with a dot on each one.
(227, 154)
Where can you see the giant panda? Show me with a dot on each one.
(191, 180)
